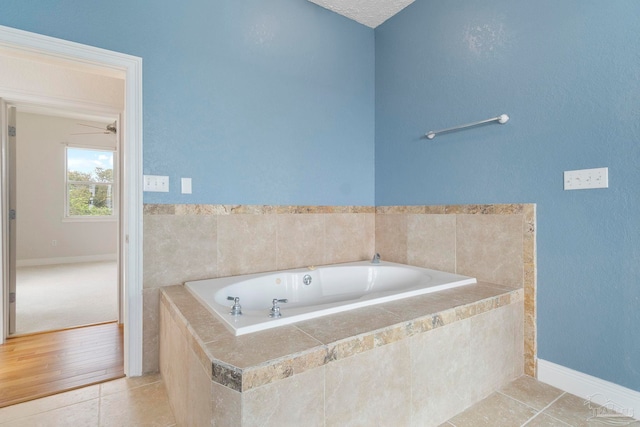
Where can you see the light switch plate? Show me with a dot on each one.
(584, 179)
(156, 183)
(186, 185)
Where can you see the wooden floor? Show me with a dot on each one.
(39, 365)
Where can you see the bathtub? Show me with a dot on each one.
(315, 291)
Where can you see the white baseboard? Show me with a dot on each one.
(590, 388)
(65, 260)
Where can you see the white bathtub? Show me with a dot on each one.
(332, 289)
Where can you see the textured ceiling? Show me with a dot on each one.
(368, 12)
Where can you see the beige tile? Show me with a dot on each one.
(578, 412)
(128, 383)
(78, 414)
(150, 329)
(300, 240)
(249, 350)
(489, 247)
(227, 407)
(542, 420)
(391, 237)
(284, 368)
(368, 390)
(298, 400)
(178, 248)
(474, 292)
(531, 392)
(33, 407)
(199, 393)
(421, 305)
(146, 405)
(349, 237)
(495, 351)
(441, 365)
(174, 366)
(200, 320)
(495, 410)
(246, 244)
(431, 241)
(329, 329)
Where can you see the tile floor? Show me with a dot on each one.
(530, 403)
(142, 401)
(139, 401)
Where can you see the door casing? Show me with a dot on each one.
(131, 175)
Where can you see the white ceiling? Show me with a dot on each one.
(368, 12)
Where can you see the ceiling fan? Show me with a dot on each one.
(110, 129)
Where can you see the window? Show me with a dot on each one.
(90, 190)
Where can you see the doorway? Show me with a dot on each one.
(40, 49)
(66, 220)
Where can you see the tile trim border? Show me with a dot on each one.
(200, 209)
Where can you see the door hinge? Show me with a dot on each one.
(12, 297)
(12, 131)
(12, 214)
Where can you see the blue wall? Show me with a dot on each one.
(259, 102)
(568, 74)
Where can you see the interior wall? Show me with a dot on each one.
(258, 102)
(567, 75)
(25, 75)
(43, 236)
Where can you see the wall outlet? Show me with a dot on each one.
(584, 179)
(156, 183)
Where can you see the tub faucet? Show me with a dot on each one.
(236, 309)
(275, 310)
(376, 259)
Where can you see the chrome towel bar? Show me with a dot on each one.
(502, 119)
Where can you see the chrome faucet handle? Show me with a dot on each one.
(236, 309)
(275, 309)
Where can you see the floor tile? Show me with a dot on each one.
(127, 383)
(146, 405)
(33, 407)
(577, 412)
(543, 420)
(80, 414)
(531, 392)
(495, 410)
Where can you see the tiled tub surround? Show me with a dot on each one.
(495, 243)
(414, 362)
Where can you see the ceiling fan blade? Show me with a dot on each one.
(90, 126)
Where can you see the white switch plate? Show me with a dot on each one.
(586, 178)
(156, 183)
(186, 185)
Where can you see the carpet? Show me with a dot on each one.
(62, 296)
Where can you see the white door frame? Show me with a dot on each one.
(131, 128)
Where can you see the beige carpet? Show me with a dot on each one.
(62, 296)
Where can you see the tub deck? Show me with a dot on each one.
(242, 363)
